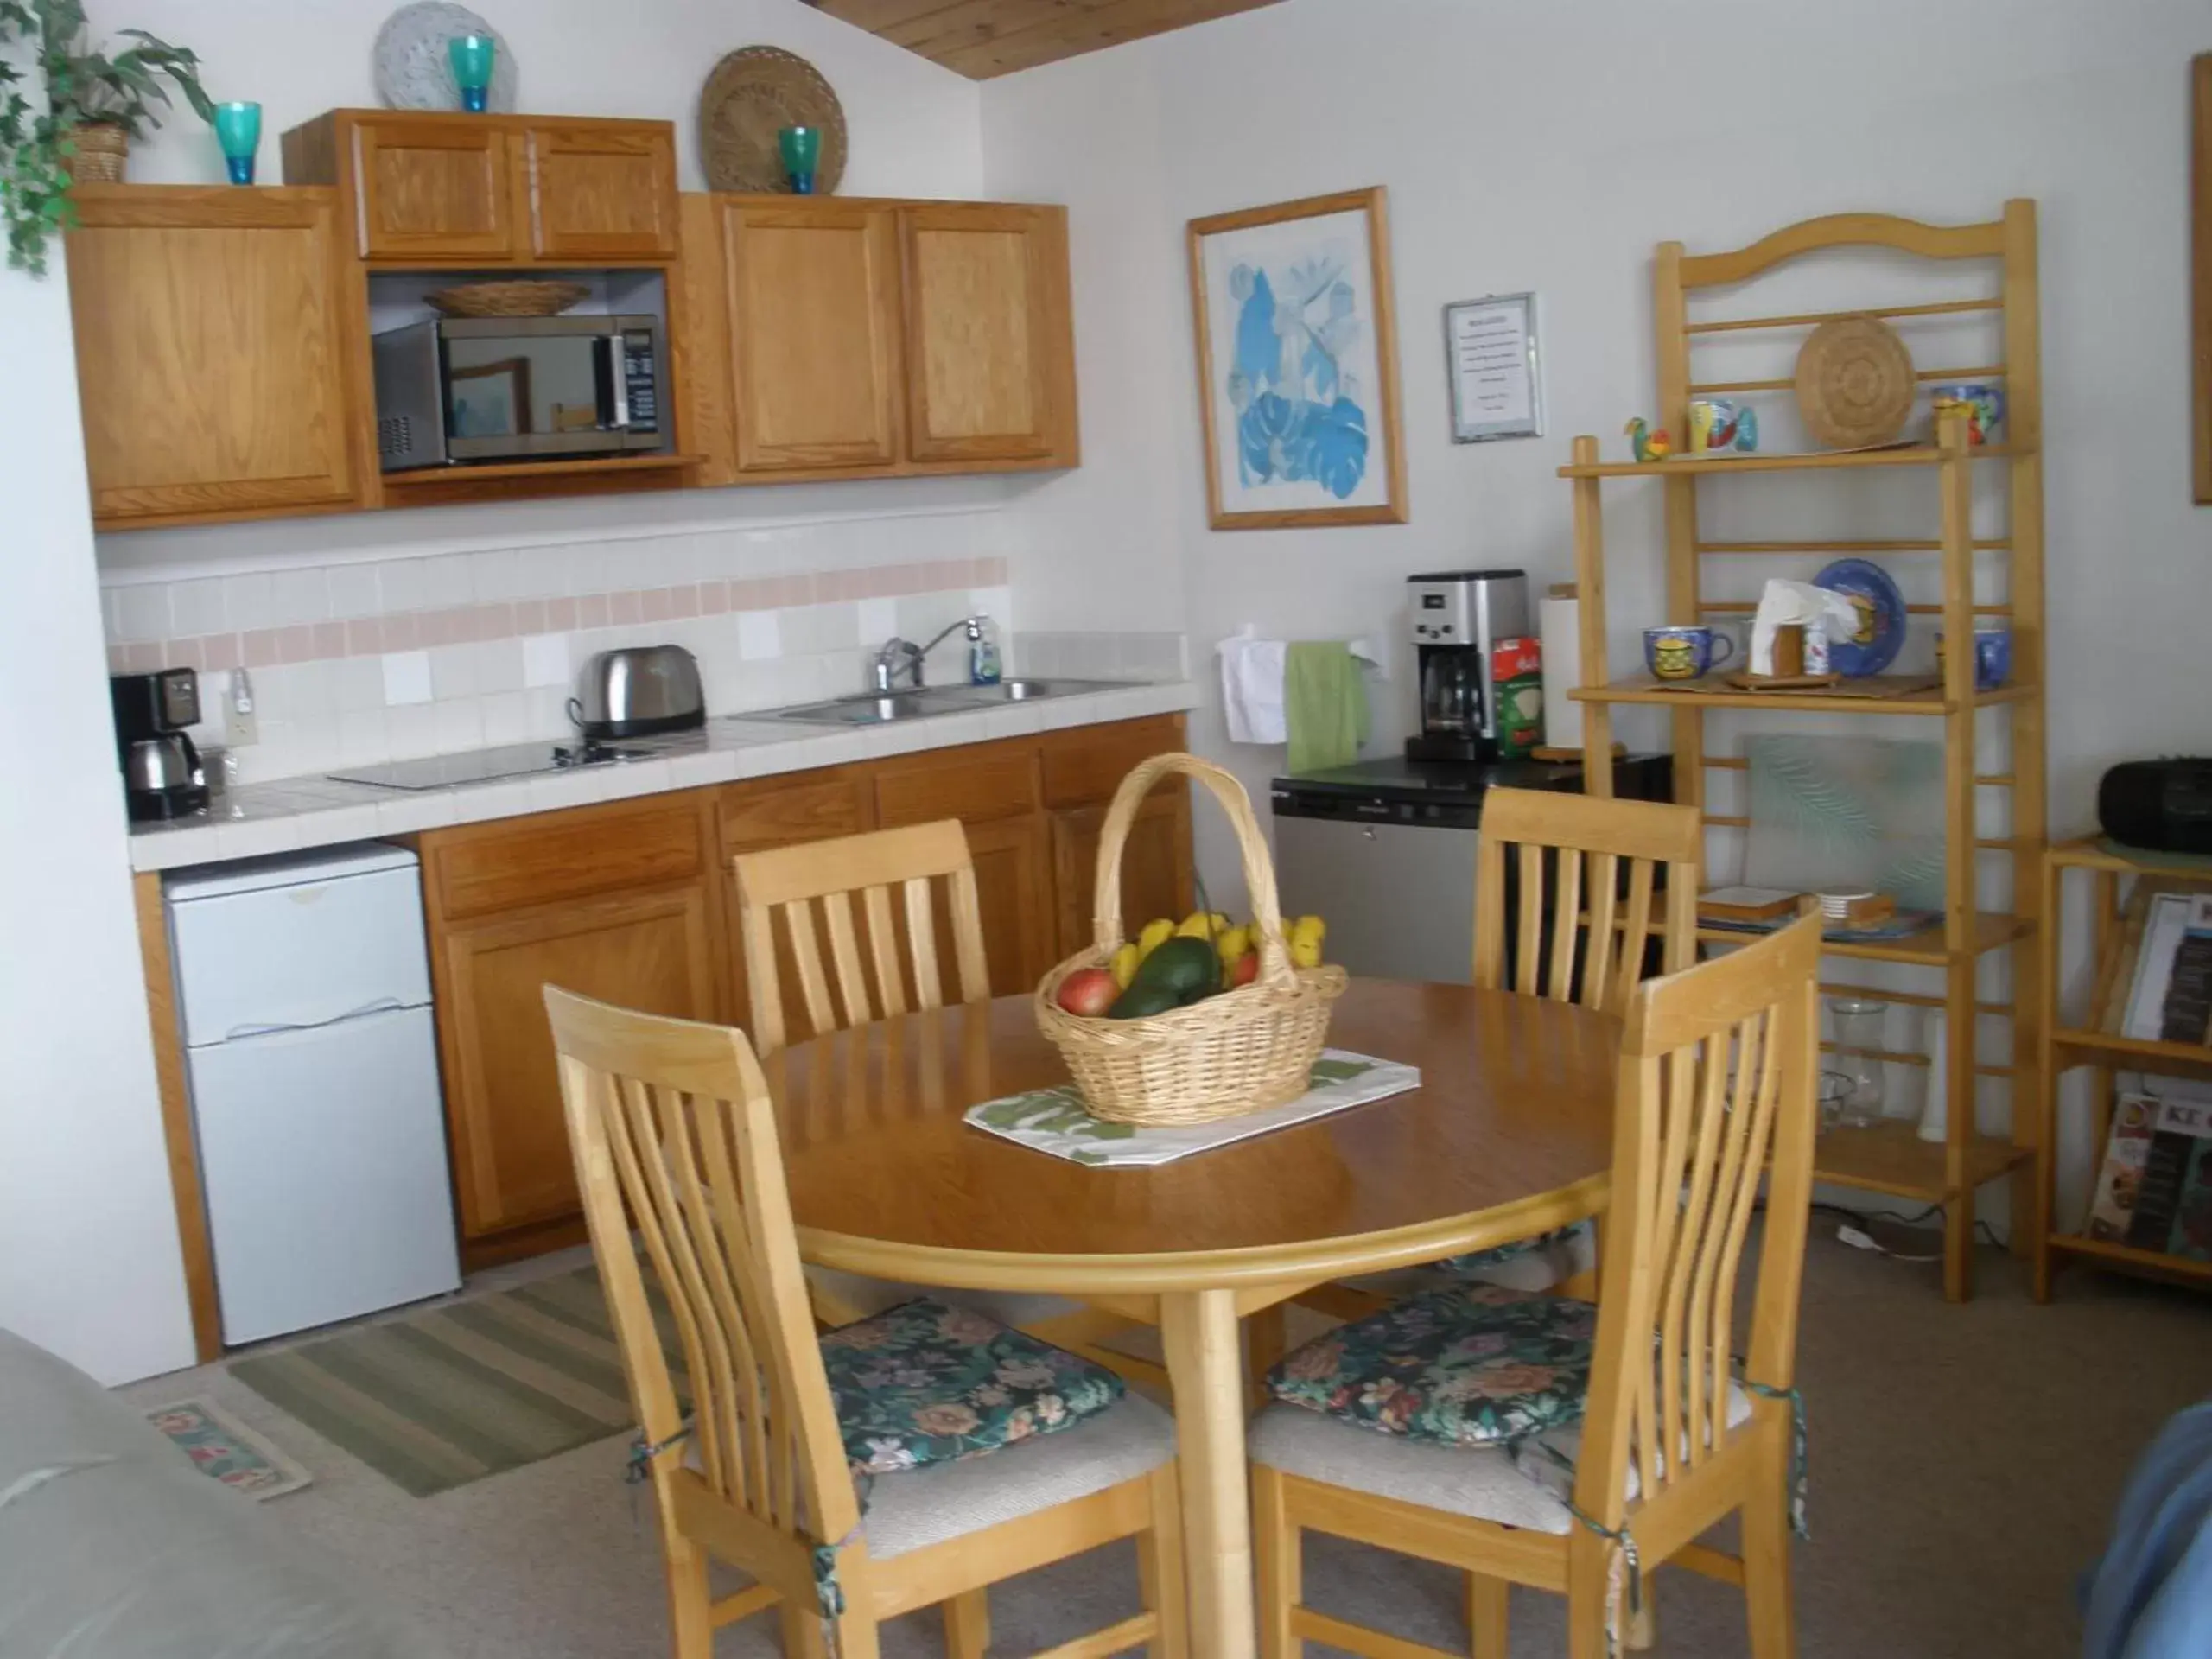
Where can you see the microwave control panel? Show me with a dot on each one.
(641, 384)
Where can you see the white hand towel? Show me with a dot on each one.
(1251, 688)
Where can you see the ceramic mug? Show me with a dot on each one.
(1983, 403)
(1993, 655)
(1684, 654)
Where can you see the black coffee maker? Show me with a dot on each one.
(1458, 620)
(162, 774)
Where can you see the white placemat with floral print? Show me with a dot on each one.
(1054, 1120)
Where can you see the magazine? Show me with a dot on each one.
(2155, 1190)
(2170, 998)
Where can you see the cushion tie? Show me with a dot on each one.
(1625, 1562)
(641, 1465)
(1797, 1445)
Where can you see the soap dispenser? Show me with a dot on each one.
(983, 664)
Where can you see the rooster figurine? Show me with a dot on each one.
(1646, 444)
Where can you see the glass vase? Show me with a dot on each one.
(801, 147)
(1858, 1023)
(472, 56)
(238, 128)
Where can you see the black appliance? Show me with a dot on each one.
(162, 774)
(2163, 806)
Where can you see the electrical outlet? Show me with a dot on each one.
(240, 729)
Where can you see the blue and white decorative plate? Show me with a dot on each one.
(1881, 617)
(412, 70)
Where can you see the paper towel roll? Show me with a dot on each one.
(1558, 627)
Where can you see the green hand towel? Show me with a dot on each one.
(1324, 704)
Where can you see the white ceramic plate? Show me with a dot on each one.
(411, 67)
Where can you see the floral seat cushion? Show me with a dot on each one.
(1557, 1247)
(1460, 1365)
(925, 1382)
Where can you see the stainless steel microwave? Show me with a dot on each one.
(487, 389)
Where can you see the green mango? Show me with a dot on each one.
(1139, 1002)
(1187, 967)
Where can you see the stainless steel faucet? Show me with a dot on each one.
(901, 660)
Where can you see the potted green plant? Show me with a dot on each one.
(97, 101)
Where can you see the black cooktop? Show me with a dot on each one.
(1398, 778)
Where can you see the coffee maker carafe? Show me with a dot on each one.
(1459, 619)
(161, 773)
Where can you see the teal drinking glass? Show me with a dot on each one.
(238, 128)
(802, 149)
(472, 56)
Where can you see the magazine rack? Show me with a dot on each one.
(2100, 1043)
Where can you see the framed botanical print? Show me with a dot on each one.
(1298, 364)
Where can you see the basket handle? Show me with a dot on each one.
(1251, 848)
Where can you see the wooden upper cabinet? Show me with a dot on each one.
(601, 190)
(214, 350)
(812, 295)
(989, 339)
(442, 189)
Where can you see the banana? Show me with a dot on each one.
(1203, 924)
(1156, 933)
(1304, 941)
(1124, 965)
(1232, 945)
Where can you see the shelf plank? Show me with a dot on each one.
(2089, 853)
(2139, 1048)
(1992, 930)
(434, 477)
(1918, 455)
(1829, 700)
(1892, 1158)
(2127, 1256)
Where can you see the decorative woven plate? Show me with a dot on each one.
(507, 299)
(1854, 382)
(753, 94)
(411, 67)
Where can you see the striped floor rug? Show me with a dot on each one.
(467, 1390)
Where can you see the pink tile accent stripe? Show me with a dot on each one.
(370, 636)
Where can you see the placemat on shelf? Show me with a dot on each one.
(1053, 1120)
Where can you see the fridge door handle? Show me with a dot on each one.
(381, 1005)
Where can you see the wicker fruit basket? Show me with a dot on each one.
(1241, 1051)
(531, 298)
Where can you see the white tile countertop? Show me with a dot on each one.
(288, 814)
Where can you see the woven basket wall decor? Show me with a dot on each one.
(1854, 382)
(753, 94)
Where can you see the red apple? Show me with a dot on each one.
(1246, 970)
(1087, 992)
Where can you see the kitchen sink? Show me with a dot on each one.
(877, 708)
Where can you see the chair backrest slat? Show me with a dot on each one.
(677, 1157)
(793, 881)
(1716, 1091)
(1595, 937)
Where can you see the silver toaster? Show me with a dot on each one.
(638, 692)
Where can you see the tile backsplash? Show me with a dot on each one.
(383, 658)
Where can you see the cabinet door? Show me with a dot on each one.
(813, 300)
(435, 186)
(1155, 865)
(653, 952)
(991, 359)
(1014, 878)
(602, 192)
(212, 351)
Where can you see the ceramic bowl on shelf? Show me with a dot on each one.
(1881, 634)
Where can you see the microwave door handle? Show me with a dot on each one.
(613, 383)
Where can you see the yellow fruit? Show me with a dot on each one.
(1306, 936)
(1232, 945)
(1124, 965)
(1309, 926)
(1155, 934)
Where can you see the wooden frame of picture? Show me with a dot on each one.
(1310, 458)
(2200, 199)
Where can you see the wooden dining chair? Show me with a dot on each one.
(786, 899)
(1586, 882)
(674, 1136)
(1715, 1090)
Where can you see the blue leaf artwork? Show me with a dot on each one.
(1301, 356)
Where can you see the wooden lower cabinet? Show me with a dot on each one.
(656, 952)
(633, 903)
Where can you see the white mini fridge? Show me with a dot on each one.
(303, 990)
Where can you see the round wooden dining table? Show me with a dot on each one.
(1508, 1134)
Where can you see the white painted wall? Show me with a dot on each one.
(911, 125)
(1550, 147)
(89, 1263)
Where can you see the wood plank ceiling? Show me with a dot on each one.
(983, 38)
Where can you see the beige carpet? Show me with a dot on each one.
(1964, 1463)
